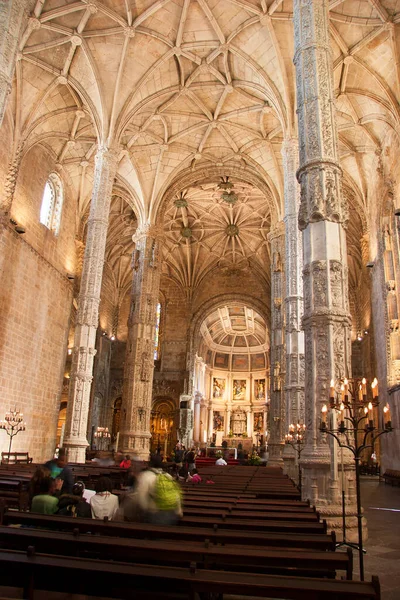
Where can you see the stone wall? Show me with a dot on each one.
(35, 304)
(35, 308)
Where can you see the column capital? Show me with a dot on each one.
(290, 145)
(148, 230)
(277, 231)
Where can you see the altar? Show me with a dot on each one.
(233, 442)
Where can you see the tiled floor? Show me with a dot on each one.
(383, 544)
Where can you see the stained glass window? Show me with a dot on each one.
(50, 211)
(157, 333)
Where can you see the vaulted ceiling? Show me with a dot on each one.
(203, 230)
(186, 85)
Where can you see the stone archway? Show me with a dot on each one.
(163, 425)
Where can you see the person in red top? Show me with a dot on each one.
(196, 477)
(126, 462)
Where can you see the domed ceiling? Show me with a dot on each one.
(235, 337)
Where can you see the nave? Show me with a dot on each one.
(247, 534)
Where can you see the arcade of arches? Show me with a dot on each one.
(199, 222)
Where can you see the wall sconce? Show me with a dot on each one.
(69, 351)
(277, 419)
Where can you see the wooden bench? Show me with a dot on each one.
(35, 571)
(181, 553)
(391, 476)
(215, 534)
(13, 494)
(224, 522)
(15, 458)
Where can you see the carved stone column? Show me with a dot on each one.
(88, 306)
(13, 20)
(277, 405)
(196, 432)
(322, 217)
(11, 179)
(294, 336)
(139, 360)
(210, 427)
(294, 381)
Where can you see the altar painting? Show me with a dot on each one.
(239, 389)
(259, 389)
(218, 421)
(218, 387)
(258, 421)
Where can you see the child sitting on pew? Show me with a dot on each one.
(75, 505)
(45, 503)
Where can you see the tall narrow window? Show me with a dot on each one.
(157, 333)
(50, 212)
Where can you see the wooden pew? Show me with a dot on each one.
(224, 522)
(181, 553)
(215, 534)
(120, 580)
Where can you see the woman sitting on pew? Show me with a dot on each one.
(45, 503)
(104, 503)
(195, 476)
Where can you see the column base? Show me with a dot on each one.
(333, 514)
(135, 443)
(76, 450)
(289, 464)
(275, 455)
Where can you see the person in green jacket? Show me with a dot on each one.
(44, 502)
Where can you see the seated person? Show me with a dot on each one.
(104, 503)
(75, 505)
(45, 503)
(183, 474)
(59, 468)
(220, 462)
(195, 476)
(126, 462)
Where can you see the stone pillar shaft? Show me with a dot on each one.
(88, 308)
(294, 380)
(139, 361)
(322, 216)
(277, 406)
(196, 433)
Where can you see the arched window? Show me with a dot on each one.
(50, 212)
(157, 333)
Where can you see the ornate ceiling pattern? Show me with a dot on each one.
(202, 231)
(190, 84)
(182, 83)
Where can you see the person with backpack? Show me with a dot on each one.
(158, 494)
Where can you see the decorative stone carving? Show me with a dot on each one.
(139, 365)
(322, 217)
(88, 306)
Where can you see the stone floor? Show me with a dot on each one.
(383, 545)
